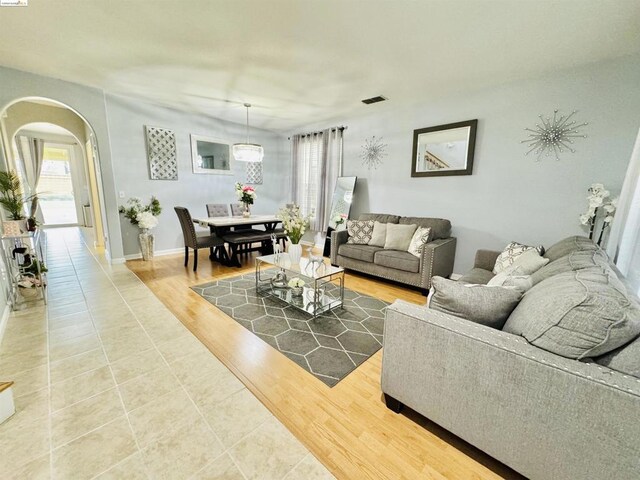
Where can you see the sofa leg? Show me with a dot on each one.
(424, 291)
(393, 404)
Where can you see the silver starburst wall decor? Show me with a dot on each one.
(553, 135)
(373, 151)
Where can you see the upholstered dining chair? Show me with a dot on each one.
(195, 241)
(217, 210)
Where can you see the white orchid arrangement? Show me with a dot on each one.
(294, 223)
(599, 202)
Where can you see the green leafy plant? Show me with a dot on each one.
(134, 208)
(33, 268)
(11, 196)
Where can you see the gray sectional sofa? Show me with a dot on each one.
(544, 415)
(437, 256)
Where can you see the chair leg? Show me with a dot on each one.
(195, 259)
(186, 256)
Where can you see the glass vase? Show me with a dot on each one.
(246, 212)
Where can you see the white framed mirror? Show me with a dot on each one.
(210, 155)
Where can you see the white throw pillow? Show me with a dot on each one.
(511, 252)
(524, 265)
(379, 234)
(399, 236)
(419, 240)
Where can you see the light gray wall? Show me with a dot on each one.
(509, 196)
(90, 104)
(127, 118)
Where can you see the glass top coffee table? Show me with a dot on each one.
(323, 289)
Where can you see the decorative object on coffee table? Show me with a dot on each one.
(601, 210)
(295, 224)
(553, 135)
(329, 346)
(246, 194)
(161, 153)
(144, 217)
(444, 149)
(296, 284)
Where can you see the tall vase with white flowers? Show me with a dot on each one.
(295, 225)
(601, 211)
(246, 194)
(145, 218)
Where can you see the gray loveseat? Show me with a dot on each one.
(437, 256)
(544, 415)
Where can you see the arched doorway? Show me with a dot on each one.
(53, 149)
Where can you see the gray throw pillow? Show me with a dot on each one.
(359, 231)
(379, 234)
(490, 306)
(569, 245)
(399, 236)
(579, 314)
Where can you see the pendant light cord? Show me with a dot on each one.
(247, 105)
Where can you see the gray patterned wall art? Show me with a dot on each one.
(254, 173)
(161, 153)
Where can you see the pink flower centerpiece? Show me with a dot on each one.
(246, 194)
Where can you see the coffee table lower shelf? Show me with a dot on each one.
(306, 302)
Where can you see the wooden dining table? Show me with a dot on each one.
(221, 226)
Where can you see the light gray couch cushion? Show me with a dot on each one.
(440, 228)
(399, 237)
(379, 234)
(569, 245)
(577, 314)
(364, 253)
(490, 306)
(477, 276)
(572, 262)
(380, 217)
(625, 359)
(398, 260)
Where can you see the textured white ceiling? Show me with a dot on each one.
(302, 61)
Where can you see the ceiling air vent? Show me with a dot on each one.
(371, 100)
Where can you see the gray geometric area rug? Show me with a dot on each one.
(329, 347)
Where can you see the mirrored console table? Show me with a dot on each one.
(24, 259)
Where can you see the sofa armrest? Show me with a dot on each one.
(486, 259)
(337, 238)
(437, 259)
(520, 404)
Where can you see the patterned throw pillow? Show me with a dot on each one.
(510, 253)
(359, 231)
(419, 240)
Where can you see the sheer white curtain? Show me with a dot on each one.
(317, 163)
(30, 158)
(624, 240)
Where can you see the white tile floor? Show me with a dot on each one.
(110, 385)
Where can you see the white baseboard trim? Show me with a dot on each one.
(156, 253)
(455, 276)
(4, 320)
(118, 261)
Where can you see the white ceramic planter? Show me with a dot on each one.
(295, 252)
(14, 227)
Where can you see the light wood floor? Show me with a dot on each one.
(347, 427)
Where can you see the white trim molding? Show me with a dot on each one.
(4, 320)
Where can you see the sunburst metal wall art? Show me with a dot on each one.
(373, 151)
(553, 135)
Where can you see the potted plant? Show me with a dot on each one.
(143, 217)
(246, 194)
(295, 224)
(13, 200)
